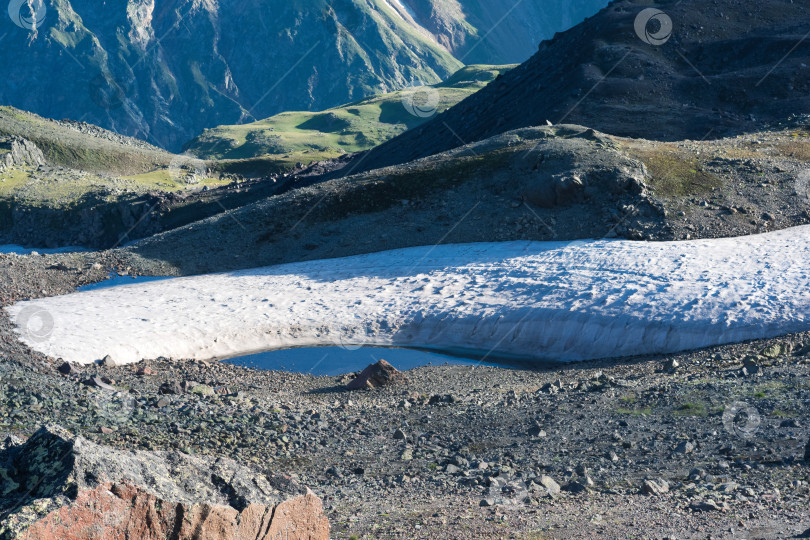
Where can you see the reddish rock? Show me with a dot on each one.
(127, 512)
(380, 374)
(57, 486)
(145, 370)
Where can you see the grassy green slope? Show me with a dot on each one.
(84, 161)
(292, 137)
(83, 146)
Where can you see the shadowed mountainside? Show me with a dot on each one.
(729, 67)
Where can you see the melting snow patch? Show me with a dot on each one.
(528, 300)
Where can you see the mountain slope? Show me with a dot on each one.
(497, 32)
(301, 136)
(164, 71)
(728, 68)
(547, 183)
(79, 145)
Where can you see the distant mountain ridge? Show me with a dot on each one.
(164, 70)
(497, 32)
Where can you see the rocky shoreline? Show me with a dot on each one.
(696, 445)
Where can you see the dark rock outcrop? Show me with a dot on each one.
(57, 485)
(723, 71)
(380, 374)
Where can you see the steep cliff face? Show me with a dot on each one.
(165, 70)
(479, 31)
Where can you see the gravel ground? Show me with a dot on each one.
(715, 438)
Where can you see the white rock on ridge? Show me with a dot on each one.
(533, 300)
